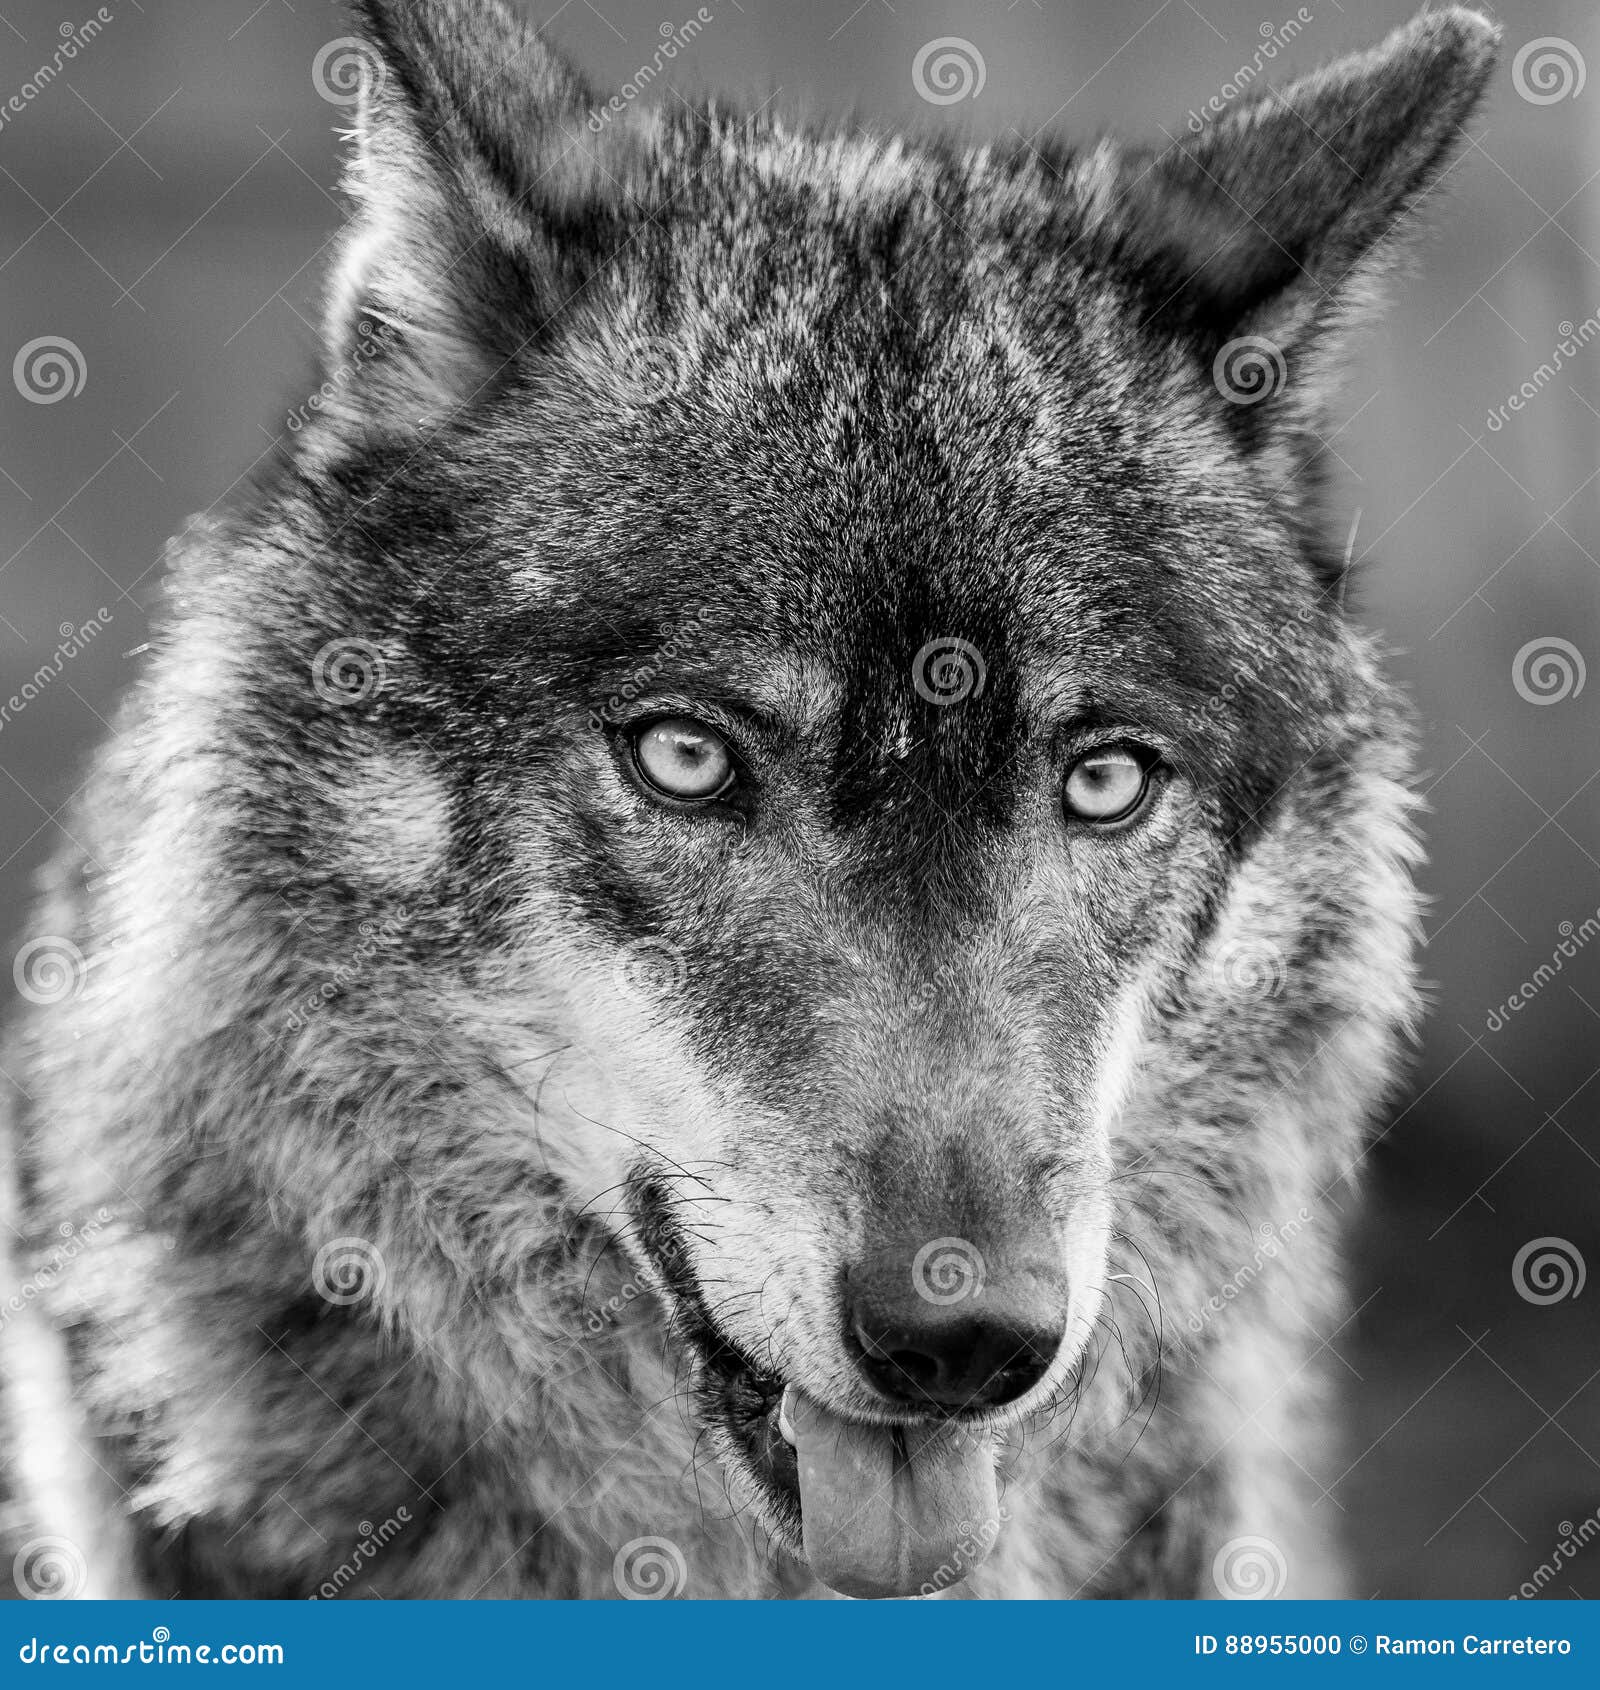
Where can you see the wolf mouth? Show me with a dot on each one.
(749, 1404)
(735, 1393)
(875, 1509)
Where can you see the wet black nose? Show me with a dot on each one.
(935, 1324)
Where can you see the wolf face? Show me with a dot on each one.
(858, 712)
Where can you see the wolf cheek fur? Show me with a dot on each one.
(489, 1142)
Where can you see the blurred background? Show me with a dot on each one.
(166, 203)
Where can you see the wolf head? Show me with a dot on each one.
(830, 687)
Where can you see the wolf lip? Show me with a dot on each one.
(779, 1463)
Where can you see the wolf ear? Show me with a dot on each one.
(1276, 219)
(463, 113)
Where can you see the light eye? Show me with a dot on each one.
(682, 759)
(1107, 785)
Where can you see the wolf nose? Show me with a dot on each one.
(949, 1335)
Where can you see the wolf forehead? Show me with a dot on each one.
(866, 398)
(899, 358)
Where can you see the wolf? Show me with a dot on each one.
(744, 932)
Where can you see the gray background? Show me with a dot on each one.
(166, 206)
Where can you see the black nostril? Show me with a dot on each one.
(919, 1370)
(968, 1364)
(984, 1350)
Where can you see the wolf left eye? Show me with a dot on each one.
(680, 758)
(1106, 785)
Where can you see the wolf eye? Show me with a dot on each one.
(1106, 785)
(681, 759)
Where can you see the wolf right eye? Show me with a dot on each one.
(683, 759)
(1107, 785)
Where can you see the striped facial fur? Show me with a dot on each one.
(801, 697)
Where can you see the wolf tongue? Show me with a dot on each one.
(890, 1511)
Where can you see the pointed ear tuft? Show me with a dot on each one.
(1274, 220)
(461, 109)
